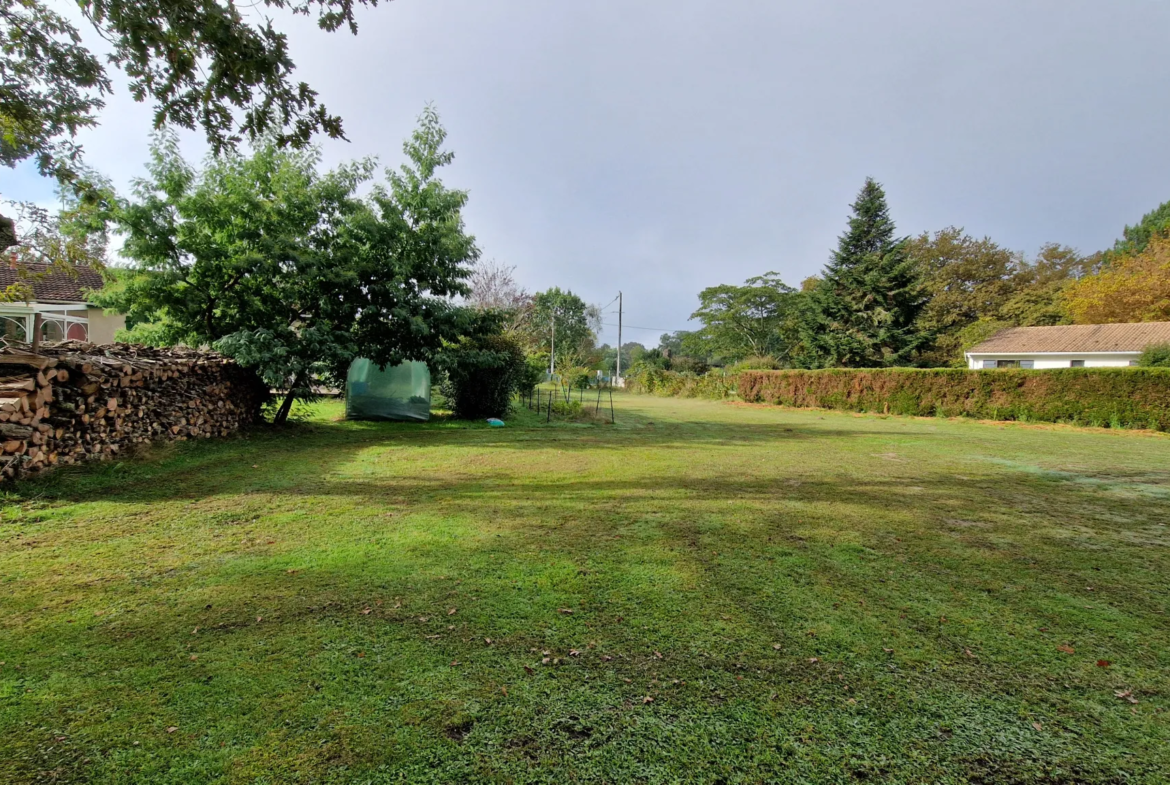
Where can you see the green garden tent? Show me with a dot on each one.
(400, 392)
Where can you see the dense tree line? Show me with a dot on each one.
(885, 300)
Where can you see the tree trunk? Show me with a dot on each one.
(282, 413)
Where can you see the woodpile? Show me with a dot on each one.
(71, 402)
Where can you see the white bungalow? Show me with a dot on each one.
(59, 305)
(1068, 346)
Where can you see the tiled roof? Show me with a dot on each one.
(54, 286)
(1076, 338)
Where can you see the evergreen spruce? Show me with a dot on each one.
(863, 313)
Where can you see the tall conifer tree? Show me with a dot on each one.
(864, 311)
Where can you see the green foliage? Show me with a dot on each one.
(1132, 398)
(483, 372)
(1155, 356)
(864, 311)
(1135, 238)
(576, 324)
(531, 374)
(686, 364)
(146, 334)
(760, 317)
(755, 363)
(290, 271)
(714, 385)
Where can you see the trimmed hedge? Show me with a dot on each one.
(715, 386)
(1110, 397)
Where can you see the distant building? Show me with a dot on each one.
(1068, 346)
(61, 301)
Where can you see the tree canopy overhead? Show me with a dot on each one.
(203, 65)
(289, 270)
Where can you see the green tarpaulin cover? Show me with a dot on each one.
(401, 392)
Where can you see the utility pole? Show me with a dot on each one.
(619, 351)
(552, 339)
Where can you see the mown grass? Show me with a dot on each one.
(703, 592)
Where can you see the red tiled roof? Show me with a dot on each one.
(1076, 338)
(48, 286)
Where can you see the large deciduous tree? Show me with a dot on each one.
(864, 311)
(563, 324)
(289, 270)
(758, 318)
(202, 64)
(1134, 288)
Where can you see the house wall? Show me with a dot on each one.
(103, 326)
(1060, 360)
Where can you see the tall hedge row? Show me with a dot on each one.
(1112, 397)
(714, 386)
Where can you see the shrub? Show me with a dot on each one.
(713, 385)
(531, 374)
(1120, 397)
(1156, 356)
(689, 365)
(483, 373)
(756, 362)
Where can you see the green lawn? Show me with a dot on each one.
(704, 592)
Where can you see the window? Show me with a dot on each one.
(1007, 363)
(989, 364)
(1076, 363)
(1133, 363)
(1027, 363)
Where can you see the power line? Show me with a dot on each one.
(648, 329)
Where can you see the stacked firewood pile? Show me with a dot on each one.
(72, 401)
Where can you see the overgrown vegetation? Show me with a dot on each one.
(483, 373)
(1107, 397)
(702, 592)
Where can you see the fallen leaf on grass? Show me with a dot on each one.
(658, 655)
(647, 699)
(454, 663)
(172, 729)
(488, 641)
(1037, 726)
(451, 612)
(259, 618)
(1126, 695)
(504, 690)
(814, 659)
(367, 611)
(566, 611)
(361, 654)
(968, 653)
(574, 653)
(1066, 648)
(776, 646)
(528, 670)
(1103, 663)
(544, 661)
(194, 656)
(887, 651)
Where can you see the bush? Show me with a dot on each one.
(1118, 397)
(713, 385)
(1156, 356)
(483, 373)
(689, 365)
(531, 374)
(756, 363)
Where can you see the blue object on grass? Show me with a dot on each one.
(492, 421)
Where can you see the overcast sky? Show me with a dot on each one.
(662, 146)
